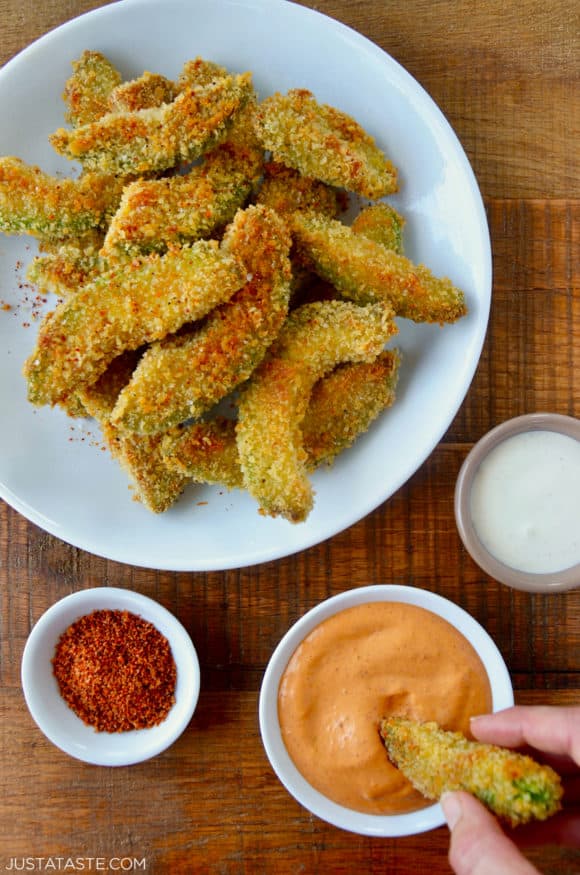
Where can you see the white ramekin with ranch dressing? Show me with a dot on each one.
(517, 502)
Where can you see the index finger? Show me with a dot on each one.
(553, 730)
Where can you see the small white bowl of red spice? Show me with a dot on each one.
(110, 676)
(352, 660)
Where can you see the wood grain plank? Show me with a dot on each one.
(531, 358)
(506, 77)
(236, 619)
(25, 20)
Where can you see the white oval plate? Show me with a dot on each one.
(51, 467)
(391, 825)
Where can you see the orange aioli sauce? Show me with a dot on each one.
(359, 666)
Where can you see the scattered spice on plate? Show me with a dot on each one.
(116, 671)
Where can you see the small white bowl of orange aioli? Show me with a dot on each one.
(352, 660)
(517, 502)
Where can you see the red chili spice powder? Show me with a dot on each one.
(116, 671)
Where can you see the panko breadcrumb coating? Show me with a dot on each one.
(435, 761)
(100, 397)
(381, 223)
(324, 143)
(154, 484)
(286, 190)
(177, 209)
(314, 339)
(147, 91)
(205, 452)
(342, 406)
(33, 202)
(183, 377)
(73, 407)
(123, 309)
(87, 91)
(68, 265)
(361, 269)
(345, 403)
(156, 138)
(199, 71)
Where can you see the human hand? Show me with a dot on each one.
(478, 844)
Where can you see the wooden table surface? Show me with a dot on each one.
(505, 74)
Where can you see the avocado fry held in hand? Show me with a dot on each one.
(435, 761)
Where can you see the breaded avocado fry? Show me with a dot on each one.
(286, 190)
(156, 212)
(345, 403)
(122, 309)
(366, 271)
(512, 785)
(325, 143)
(381, 223)
(68, 265)
(154, 484)
(315, 339)
(148, 90)
(342, 407)
(157, 138)
(33, 202)
(183, 377)
(86, 92)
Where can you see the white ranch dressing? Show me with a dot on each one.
(525, 501)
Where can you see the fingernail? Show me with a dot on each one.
(451, 809)
(476, 717)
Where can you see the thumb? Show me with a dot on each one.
(478, 845)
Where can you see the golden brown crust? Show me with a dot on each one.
(286, 190)
(314, 340)
(156, 486)
(345, 403)
(67, 265)
(123, 309)
(147, 91)
(157, 138)
(184, 377)
(366, 271)
(512, 785)
(86, 92)
(322, 142)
